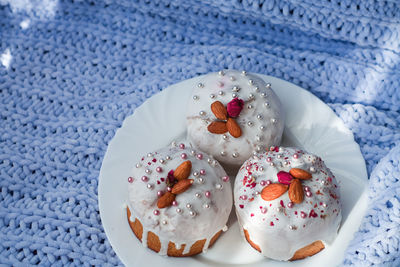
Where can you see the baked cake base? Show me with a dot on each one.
(153, 241)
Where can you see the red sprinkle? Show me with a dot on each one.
(154, 160)
(313, 214)
(271, 223)
(251, 214)
(241, 206)
(282, 204)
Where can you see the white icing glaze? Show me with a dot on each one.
(271, 116)
(271, 230)
(169, 225)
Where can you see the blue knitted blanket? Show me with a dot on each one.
(71, 71)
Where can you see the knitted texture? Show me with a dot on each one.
(71, 71)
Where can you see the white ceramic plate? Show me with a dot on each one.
(310, 124)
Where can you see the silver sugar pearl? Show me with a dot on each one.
(266, 104)
(258, 148)
(195, 97)
(262, 127)
(261, 169)
(236, 89)
(249, 123)
(214, 163)
(268, 85)
(212, 96)
(224, 136)
(324, 205)
(164, 222)
(149, 155)
(232, 78)
(323, 182)
(178, 210)
(200, 85)
(279, 209)
(167, 157)
(149, 186)
(223, 153)
(273, 120)
(195, 174)
(192, 152)
(221, 93)
(312, 169)
(192, 213)
(201, 180)
(257, 193)
(221, 73)
(138, 165)
(251, 82)
(198, 195)
(258, 138)
(251, 96)
(263, 94)
(271, 164)
(147, 171)
(234, 95)
(202, 113)
(292, 227)
(279, 156)
(259, 116)
(244, 72)
(189, 206)
(218, 186)
(235, 154)
(209, 160)
(255, 153)
(162, 161)
(249, 106)
(206, 206)
(256, 89)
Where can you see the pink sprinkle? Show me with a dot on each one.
(154, 160)
(145, 178)
(160, 193)
(199, 156)
(156, 212)
(225, 178)
(202, 171)
(263, 183)
(130, 179)
(183, 156)
(295, 156)
(269, 159)
(241, 206)
(169, 189)
(251, 214)
(162, 179)
(207, 194)
(264, 210)
(174, 203)
(244, 197)
(306, 188)
(303, 215)
(221, 84)
(308, 194)
(248, 168)
(159, 169)
(290, 205)
(182, 146)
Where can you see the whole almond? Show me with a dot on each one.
(182, 186)
(219, 110)
(183, 170)
(273, 191)
(217, 127)
(300, 174)
(296, 194)
(233, 128)
(165, 200)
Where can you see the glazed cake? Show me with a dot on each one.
(179, 201)
(232, 115)
(287, 203)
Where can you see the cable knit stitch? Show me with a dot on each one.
(71, 71)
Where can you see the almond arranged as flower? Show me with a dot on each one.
(182, 186)
(165, 200)
(226, 122)
(300, 174)
(273, 191)
(183, 170)
(296, 194)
